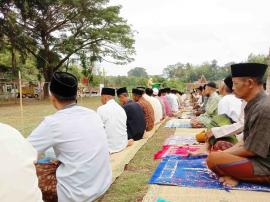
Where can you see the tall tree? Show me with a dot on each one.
(58, 29)
(138, 72)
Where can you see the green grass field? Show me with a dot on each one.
(132, 184)
(34, 112)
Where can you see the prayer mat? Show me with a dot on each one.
(181, 140)
(170, 150)
(178, 123)
(193, 172)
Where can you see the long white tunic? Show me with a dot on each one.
(18, 179)
(78, 138)
(156, 107)
(172, 98)
(232, 129)
(231, 106)
(115, 122)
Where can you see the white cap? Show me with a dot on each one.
(155, 91)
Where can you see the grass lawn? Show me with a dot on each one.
(34, 112)
(132, 184)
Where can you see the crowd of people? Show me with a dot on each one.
(71, 148)
(77, 142)
(237, 140)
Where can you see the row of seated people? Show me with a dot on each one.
(237, 121)
(79, 141)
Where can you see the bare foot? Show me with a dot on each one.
(202, 151)
(130, 142)
(228, 181)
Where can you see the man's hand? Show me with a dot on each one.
(209, 134)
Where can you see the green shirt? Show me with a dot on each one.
(210, 109)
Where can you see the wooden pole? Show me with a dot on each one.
(21, 103)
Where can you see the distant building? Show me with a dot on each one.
(202, 81)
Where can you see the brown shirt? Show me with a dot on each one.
(257, 133)
(148, 112)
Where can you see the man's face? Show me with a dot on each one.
(122, 99)
(135, 97)
(207, 90)
(241, 87)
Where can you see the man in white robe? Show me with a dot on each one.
(17, 171)
(78, 139)
(115, 121)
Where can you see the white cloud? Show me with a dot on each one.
(194, 31)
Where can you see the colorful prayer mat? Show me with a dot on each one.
(193, 172)
(178, 123)
(181, 140)
(169, 150)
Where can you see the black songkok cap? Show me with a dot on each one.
(64, 85)
(120, 91)
(200, 88)
(212, 85)
(137, 91)
(228, 82)
(108, 91)
(167, 90)
(248, 70)
(149, 91)
(162, 90)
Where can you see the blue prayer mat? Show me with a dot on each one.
(193, 172)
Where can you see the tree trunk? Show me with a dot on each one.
(47, 76)
(13, 62)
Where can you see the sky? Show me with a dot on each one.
(194, 31)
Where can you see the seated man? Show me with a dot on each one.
(157, 106)
(248, 160)
(162, 95)
(147, 108)
(18, 177)
(115, 121)
(78, 139)
(135, 116)
(155, 95)
(172, 99)
(210, 109)
(230, 106)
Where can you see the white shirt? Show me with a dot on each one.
(115, 122)
(156, 107)
(231, 106)
(18, 179)
(232, 129)
(78, 138)
(172, 98)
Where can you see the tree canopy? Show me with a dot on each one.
(55, 30)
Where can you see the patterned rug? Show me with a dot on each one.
(170, 150)
(193, 172)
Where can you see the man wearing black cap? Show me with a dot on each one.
(147, 108)
(114, 119)
(135, 115)
(211, 106)
(248, 160)
(78, 139)
(162, 95)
